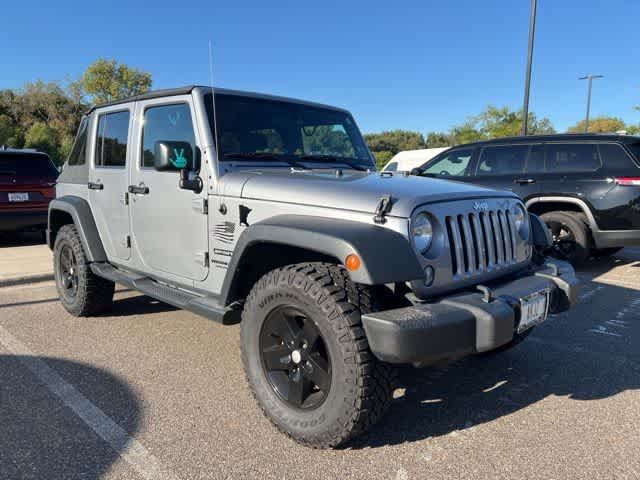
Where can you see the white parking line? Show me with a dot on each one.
(136, 455)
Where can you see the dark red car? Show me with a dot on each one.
(27, 185)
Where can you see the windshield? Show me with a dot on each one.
(271, 130)
(26, 165)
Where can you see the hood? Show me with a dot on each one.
(355, 191)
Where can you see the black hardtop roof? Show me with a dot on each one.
(186, 90)
(556, 137)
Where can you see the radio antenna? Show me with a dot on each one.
(213, 103)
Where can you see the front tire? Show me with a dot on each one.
(307, 358)
(571, 236)
(81, 292)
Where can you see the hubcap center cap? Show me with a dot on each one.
(296, 357)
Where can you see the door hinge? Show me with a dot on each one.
(201, 205)
(202, 258)
(126, 198)
(205, 206)
(128, 240)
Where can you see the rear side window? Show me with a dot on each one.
(614, 156)
(77, 155)
(166, 123)
(111, 141)
(635, 149)
(452, 164)
(26, 165)
(502, 159)
(572, 157)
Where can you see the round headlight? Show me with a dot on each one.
(521, 221)
(422, 232)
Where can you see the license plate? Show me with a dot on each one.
(533, 310)
(18, 197)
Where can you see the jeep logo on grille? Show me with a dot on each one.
(483, 206)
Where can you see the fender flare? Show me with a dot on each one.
(593, 225)
(387, 256)
(80, 211)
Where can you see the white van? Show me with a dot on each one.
(409, 159)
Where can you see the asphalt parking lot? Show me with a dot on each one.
(153, 392)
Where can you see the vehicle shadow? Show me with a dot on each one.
(21, 239)
(41, 437)
(137, 305)
(589, 353)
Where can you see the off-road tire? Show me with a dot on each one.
(94, 294)
(361, 386)
(580, 231)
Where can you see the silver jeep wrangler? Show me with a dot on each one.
(269, 213)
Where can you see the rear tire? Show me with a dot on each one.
(322, 298)
(572, 238)
(81, 292)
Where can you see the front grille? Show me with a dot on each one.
(481, 241)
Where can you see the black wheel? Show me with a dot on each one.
(306, 355)
(571, 237)
(606, 252)
(81, 292)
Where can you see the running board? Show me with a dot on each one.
(207, 307)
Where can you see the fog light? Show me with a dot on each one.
(429, 275)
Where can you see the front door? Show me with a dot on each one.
(169, 224)
(109, 179)
(502, 167)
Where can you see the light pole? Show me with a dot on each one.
(590, 78)
(527, 80)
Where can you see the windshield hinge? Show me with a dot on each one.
(205, 206)
(383, 208)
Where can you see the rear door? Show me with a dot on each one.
(572, 169)
(169, 223)
(502, 167)
(109, 178)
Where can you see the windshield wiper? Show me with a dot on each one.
(265, 156)
(334, 159)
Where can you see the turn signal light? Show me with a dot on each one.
(352, 262)
(628, 181)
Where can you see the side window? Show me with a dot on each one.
(111, 140)
(572, 157)
(77, 155)
(535, 162)
(452, 164)
(614, 156)
(502, 159)
(165, 123)
(392, 167)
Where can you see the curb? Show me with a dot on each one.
(9, 282)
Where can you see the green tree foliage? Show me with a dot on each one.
(438, 139)
(600, 125)
(395, 141)
(46, 115)
(382, 158)
(108, 80)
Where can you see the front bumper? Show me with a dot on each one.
(466, 323)
(13, 221)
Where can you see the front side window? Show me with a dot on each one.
(273, 130)
(452, 164)
(77, 155)
(502, 159)
(167, 123)
(572, 157)
(535, 162)
(111, 140)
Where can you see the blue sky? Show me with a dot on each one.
(420, 65)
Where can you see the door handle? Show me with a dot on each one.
(139, 189)
(95, 186)
(524, 181)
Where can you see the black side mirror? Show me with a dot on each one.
(173, 156)
(415, 171)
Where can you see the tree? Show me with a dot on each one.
(108, 80)
(382, 158)
(395, 141)
(503, 122)
(438, 139)
(602, 124)
(43, 138)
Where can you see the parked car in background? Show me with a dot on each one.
(407, 160)
(586, 187)
(27, 185)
